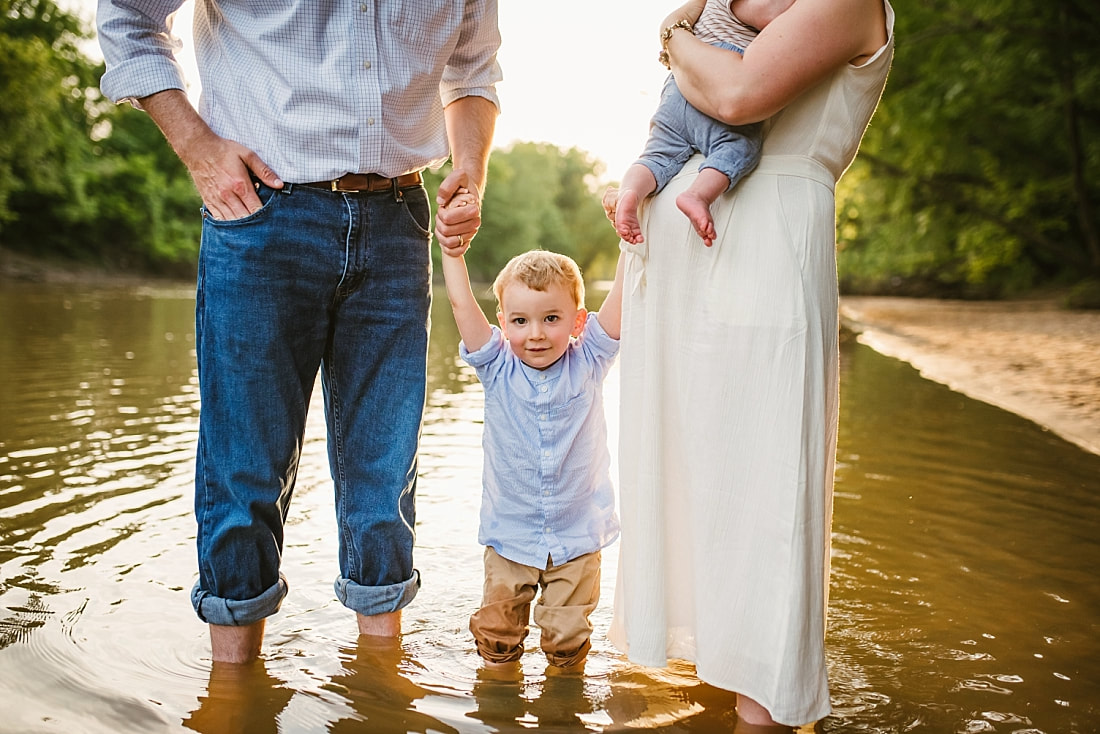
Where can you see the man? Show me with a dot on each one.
(314, 124)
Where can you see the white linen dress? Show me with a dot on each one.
(728, 417)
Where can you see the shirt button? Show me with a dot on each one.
(542, 416)
(546, 493)
(546, 452)
(370, 120)
(366, 64)
(363, 7)
(544, 388)
(546, 530)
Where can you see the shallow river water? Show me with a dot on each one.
(964, 590)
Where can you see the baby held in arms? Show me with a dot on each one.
(678, 130)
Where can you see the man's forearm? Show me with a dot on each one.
(471, 122)
(177, 119)
(220, 168)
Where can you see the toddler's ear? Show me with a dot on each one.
(500, 320)
(578, 325)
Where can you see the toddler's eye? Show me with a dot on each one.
(552, 318)
(519, 321)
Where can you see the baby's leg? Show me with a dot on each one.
(638, 183)
(695, 201)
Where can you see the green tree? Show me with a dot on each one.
(540, 196)
(86, 179)
(43, 79)
(981, 169)
(80, 177)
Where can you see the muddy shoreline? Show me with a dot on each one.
(1031, 357)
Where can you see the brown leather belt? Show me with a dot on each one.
(352, 182)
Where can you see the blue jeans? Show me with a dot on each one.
(677, 130)
(313, 280)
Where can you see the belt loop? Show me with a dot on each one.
(398, 194)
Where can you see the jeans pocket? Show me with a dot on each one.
(267, 196)
(418, 209)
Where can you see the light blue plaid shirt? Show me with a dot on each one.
(546, 484)
(317, 89)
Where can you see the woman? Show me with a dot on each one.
(729, 369)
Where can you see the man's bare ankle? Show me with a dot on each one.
(236, 645)
(387, 624)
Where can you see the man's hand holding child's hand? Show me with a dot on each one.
(457, 220)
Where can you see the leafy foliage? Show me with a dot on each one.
(980, 169)
(978, 176)
(80, 177)
(540, 196)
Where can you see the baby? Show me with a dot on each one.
(678, 130)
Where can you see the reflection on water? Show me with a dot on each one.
(966, 548)
(963, 593)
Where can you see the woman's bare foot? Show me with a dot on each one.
(626, 217)
(752, 713)
(697, 209)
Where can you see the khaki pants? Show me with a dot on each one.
(569, 594)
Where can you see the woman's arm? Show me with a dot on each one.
(797, 49)
(689, 11)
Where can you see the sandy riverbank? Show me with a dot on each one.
(1029, 357)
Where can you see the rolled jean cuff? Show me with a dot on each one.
(372, 600)
(233, 613)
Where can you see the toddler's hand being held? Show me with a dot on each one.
(456, 245)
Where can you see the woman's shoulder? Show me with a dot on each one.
(867, 23)
(826, 34)
(877, 24)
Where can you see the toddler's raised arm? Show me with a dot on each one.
(473, 326)
(611, 312)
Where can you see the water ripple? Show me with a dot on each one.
(963, 591)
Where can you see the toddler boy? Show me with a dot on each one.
(547, 501)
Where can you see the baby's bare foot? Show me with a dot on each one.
(698, 211)
(626, 218)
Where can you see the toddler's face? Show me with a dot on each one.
(538, 324)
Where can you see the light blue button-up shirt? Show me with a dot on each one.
(546, 483)
(317, 89)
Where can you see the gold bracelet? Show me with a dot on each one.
(666, 35)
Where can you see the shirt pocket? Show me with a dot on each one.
(423, 26)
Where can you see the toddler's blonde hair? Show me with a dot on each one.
(539, 270)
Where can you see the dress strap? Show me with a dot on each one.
(796, 165)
